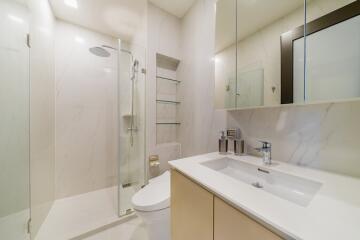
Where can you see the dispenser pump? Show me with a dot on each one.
(223, 143)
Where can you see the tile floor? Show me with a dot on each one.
(131, 230)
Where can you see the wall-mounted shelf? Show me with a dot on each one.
(167, 101)
(168, 123)
(169, 79)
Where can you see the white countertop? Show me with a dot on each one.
(333, 213)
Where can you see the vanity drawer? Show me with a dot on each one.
(231, 224)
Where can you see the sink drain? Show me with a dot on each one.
(257, 185)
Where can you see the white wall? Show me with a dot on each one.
(86, 112)
(42, 117)
(200, 122)
(191, 40)
(163, 37)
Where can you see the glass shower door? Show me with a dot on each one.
(14, 121)
(131, 92)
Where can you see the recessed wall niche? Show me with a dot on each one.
(167, 99)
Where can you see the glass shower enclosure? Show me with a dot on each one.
(131, 111)
(14, 121)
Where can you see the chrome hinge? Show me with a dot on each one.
(29, 226)
(28, 40)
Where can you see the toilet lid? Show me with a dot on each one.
(155, 196)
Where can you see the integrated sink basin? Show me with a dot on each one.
(292, 188)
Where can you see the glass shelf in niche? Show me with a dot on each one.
(167, 101)
(169, 79)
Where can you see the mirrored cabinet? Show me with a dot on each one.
(272, 52)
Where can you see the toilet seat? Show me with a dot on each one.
(155, 196)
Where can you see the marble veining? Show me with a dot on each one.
(86, 112)
(323, 136)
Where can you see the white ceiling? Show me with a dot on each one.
(176, 7)
(117, 18)
(22, 1)
(253, 15)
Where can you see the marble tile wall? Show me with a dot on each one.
(321, 136)
(186, 39)
(200, 122)
(164, 38)
(86, 112)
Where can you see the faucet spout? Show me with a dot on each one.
(266, 151)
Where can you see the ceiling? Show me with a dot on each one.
(24, 2)
(253, 15)
(117, 18)
(176, 7)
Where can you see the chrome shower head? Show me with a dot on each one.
(99, 51)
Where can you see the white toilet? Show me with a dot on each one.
(152, 204)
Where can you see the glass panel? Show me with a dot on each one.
(299, 77)
(333, 51)
(262, 44)
(132, 173)
(259, 48)
(14, 121)
(250, 88)
(225, 54)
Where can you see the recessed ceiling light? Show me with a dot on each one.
(71, 3)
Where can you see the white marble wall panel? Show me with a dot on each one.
(167, 113)
(166, 152)
(86, 112)
(200, 122)
(322, 136)
(166, 90)
(167, 73)
(164, 38)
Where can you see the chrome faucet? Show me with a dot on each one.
(266, 151)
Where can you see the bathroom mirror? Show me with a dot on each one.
(260, 57)
(225, 54)
(332, 46)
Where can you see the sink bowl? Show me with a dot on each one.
(292, 188)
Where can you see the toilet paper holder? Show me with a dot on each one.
(154, 160)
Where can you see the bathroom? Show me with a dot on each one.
(191, 119)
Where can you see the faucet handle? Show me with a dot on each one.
(265, 144)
